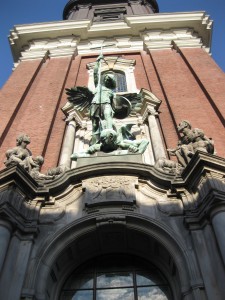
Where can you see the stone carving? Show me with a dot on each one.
(191, 141)
(168, 166)
(18, 154)
(109, 189)
(33, 167)
(105, 105)
(23, 156)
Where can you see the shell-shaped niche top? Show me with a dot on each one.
(107, 10)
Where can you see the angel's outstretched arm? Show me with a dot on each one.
(96, 69)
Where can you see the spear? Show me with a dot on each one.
(99, 76)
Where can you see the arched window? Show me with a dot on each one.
(120, 77)
(117, 277)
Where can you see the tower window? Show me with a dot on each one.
(120, 77)
(109, 14)
(116, 278)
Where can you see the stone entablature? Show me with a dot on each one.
(70, 37)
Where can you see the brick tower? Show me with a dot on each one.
(119, 220)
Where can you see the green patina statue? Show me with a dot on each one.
(101, 112)
(104, 106)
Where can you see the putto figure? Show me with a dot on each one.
(191, 141)
(22, 156)
(18, 154)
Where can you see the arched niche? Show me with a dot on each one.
(104, 234)
(116, 64)
(146, 125)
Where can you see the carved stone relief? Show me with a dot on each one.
(109, 189)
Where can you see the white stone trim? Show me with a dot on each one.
(125, 34)
(118, 44)
(58, 47)
(165, 39)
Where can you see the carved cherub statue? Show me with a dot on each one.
(18, 154)
(23, 156)
(191, 141)
(34, 164)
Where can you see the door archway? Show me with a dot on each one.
(129, 235)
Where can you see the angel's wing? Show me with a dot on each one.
(80, 96)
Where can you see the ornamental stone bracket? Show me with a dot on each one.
(150, 104)
(55, 47)
(167, 39)
(79, 117)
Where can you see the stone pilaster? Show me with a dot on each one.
(218, 222)
(156, 138)
(68, 144)
(5, 234)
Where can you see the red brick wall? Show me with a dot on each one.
(210, 76)
(189, 84)
(185, 97)
(39, 108)
(57, 131)
(14, 92)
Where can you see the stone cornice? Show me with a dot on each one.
(201, 187)
(20, 199)
(23, 37)
(204, 178)
(17, 176)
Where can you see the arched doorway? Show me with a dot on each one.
(116, 277)
(93, 237)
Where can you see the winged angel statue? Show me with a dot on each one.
(104, 105)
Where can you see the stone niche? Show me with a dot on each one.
(144, 120)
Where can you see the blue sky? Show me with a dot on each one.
(16, 12)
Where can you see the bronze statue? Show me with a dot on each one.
(104, 106)
(103, 103)
(110, 140)
(101, 112)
